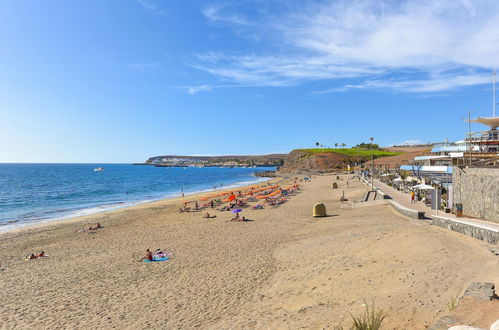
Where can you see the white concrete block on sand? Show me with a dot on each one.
(464, 327)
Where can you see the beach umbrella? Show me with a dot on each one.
(236, 211)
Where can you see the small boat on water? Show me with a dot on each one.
(99, 169)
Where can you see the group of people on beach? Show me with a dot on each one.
(81, 230)
(235, 202)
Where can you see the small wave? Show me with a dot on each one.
(68, 213)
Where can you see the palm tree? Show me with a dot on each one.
(403, 175)
(343, 145)
(317, 144)
(336, 145)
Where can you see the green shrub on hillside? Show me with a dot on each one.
(352, 152)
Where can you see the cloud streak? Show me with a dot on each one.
(408, 46)
(196, 89)
(151, 7)
(146, 66)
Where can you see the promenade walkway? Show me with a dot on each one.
(484, 230)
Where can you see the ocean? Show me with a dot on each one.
(33, 193)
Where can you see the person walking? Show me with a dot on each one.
(413, 196)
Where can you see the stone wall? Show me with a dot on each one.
(417, 215)
(483, 232)
(478, 190)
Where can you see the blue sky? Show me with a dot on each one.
(122, 80)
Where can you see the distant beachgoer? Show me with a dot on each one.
(196, 206)
(97, 226)
(148, 256)
(41, 254)
(32, 256)
(236, 218)
(413, 196)
(212, 204)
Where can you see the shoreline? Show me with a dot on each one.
(280, 268)
(167, 201)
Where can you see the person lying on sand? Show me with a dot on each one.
(91, 228)
(208, 216)
(162, 254)
(148, 256)
(237, 219)
(33, 256)
(185, 209)
(97, 226)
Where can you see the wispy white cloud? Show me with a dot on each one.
(151, 7)
(410, 46)
(196, 89)
(407, 143)
(215, 13)
(432, 84)
(143, 66)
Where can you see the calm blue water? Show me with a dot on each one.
(32, 193)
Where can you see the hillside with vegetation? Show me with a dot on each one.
(329, 159)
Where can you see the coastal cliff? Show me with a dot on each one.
(215, 161)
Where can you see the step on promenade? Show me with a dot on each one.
(480, 229)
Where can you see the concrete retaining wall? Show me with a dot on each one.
(407, 212)
(478, 190)
(483, 232)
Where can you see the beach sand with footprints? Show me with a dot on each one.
(281, 269)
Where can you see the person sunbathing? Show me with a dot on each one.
(97, 226)
(148, 256)
(208, 216)
(91, 228)
(33, 256)
(236, 218)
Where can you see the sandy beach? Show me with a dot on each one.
(282, 270)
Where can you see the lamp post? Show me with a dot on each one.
(469, 134)
(372, 164)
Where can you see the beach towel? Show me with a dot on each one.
(154, 259)
(163, 254)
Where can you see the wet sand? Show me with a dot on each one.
(283, 269)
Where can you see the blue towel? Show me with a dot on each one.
(157, 259)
